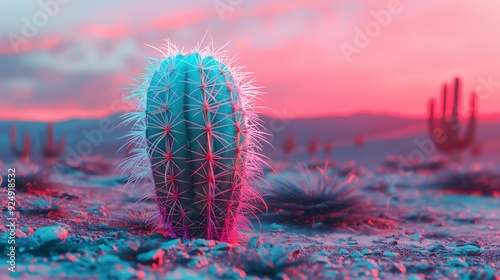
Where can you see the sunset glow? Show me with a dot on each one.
(312, 58)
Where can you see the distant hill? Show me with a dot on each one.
(383, 135)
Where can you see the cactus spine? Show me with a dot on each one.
(52, 151)
(446, 132)
(196, 133)
(23, 154)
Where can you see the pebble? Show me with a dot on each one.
(296, 248)
(154, 257)
(28, 230)
(196, 252)
(366, 252)
(172, 244)
(356, 255)
(50, 234)
(437, 247)
(390, 254)
(458, 262)
(109, 258)
(398, 268)
(322, 253)
(468, 250)
(198, 262)
(255, 241)
(359, 264)
(223, 247)
(343, 252)
(416, 236)
(320, 259)
(203, 243)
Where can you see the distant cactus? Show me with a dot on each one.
(197, 137)
(359, 140)
(289, 145)
(52, 151)
(446, 132)
(22, 154)
(313, 147)
(328, 147)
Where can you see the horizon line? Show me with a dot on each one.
(486, 116)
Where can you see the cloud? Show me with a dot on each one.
(84, 56)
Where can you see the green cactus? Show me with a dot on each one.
(196, 131)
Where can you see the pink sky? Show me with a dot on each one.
(77, 63)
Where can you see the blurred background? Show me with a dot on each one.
(366, 69)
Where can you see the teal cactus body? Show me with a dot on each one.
(200, 141)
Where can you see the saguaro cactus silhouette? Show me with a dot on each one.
(198, 135)
(22, 154)
(52, 151)
(446, 132)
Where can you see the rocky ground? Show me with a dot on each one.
(88, 226)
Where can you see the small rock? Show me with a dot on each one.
(320, 259)
(322, 253)
(182, 257)
(390, 254)
(343, 252)
(455, 263)
(421, 267)
(296, 249)
(28, 230)
(172, 244)
(437, 247)
(50, 235)
(196, 252)
(318, 225)
(198, 262)
(398, 268)
(203, 243)
(352, 243)
(416, 236)
(461, 243)
(364, 264)
(223, 247)
(377, 252)
(153, 257)
(366, 252)
(468, 250)
(104, 248)
(255, 241)
(20, 233)
(356, 255)
(108, 258)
